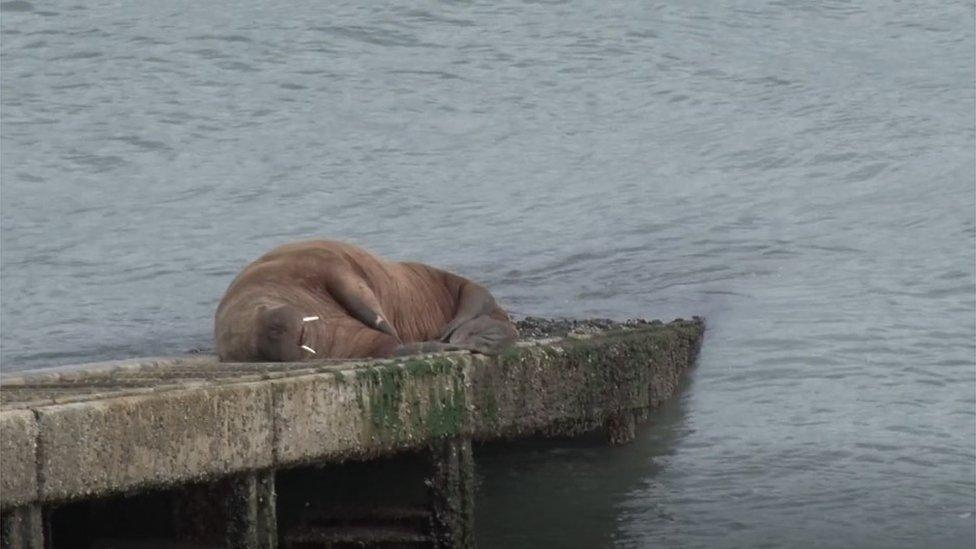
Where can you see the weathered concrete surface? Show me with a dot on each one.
(372, 409)
(164, 422)
(576, 384)
(116, 444)
(18, 457)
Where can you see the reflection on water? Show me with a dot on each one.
(574, 492)
(801, 174)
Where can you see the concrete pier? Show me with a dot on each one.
(207, 439)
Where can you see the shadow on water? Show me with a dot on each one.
(568, 492)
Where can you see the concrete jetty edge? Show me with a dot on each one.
(120, 427)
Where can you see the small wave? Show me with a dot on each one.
(16, 5)
(428, 16)
(79, 55)
(23, 176)
(236, 66)
(100, 163)
(865, 173)
(222, 38)
(440, 74)
(209, 53)
(144, 144)
(378, 37)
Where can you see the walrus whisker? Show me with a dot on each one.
(309, 349)
(309, 318)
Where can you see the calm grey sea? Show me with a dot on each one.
(801, 173)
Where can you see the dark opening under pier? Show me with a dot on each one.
(199, 453)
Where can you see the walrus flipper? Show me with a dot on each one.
(360, 302)
(473, 301)
(422, 347)
(484, 335)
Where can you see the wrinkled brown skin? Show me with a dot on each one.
(367, 307)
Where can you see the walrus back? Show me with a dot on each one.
(415, 297)
(417, 300)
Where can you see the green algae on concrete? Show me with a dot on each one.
(378, 407)
(418, 400)
(579, 383)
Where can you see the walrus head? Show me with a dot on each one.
(279, 334)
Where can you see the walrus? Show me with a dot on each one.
(326, 299)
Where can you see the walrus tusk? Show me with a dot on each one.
(309, 349)
(309, 319)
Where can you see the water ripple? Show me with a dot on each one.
(806, 187)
